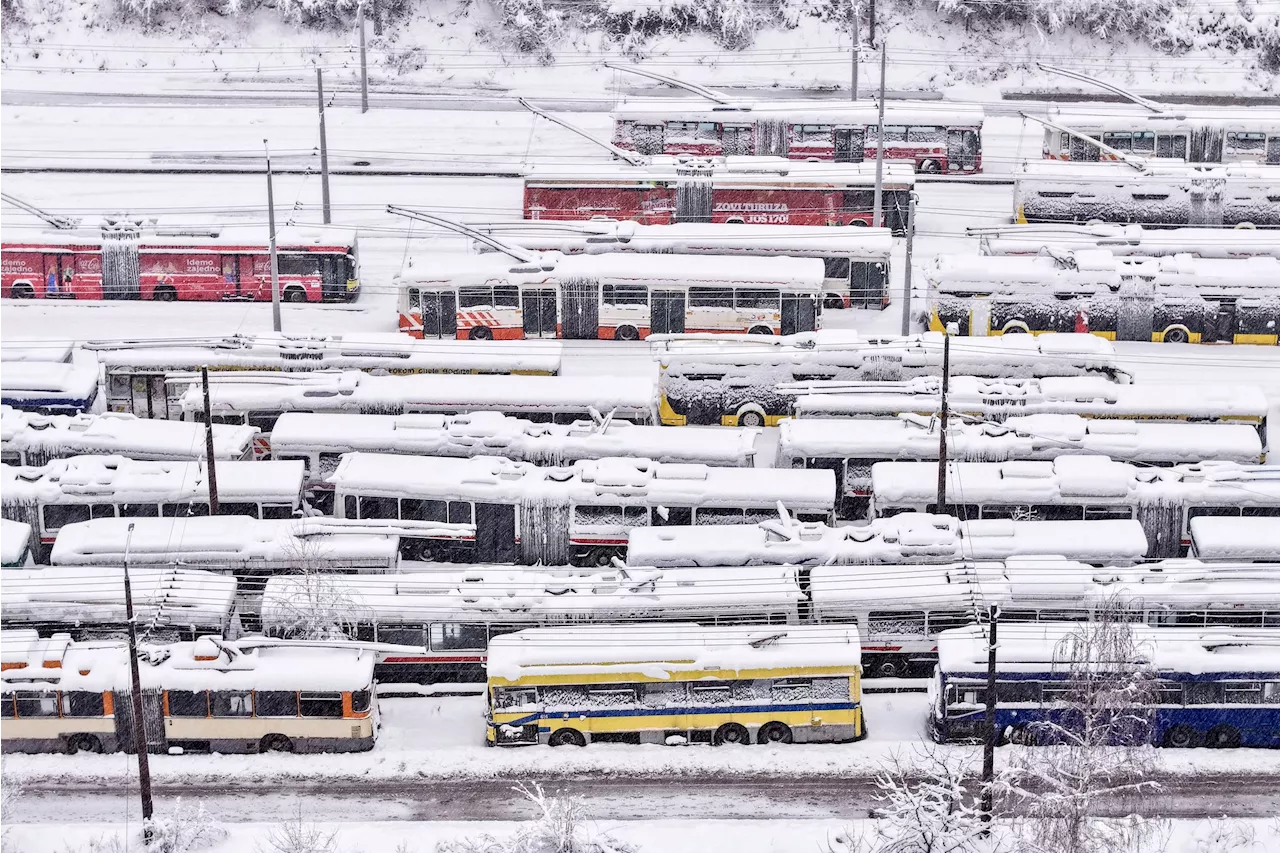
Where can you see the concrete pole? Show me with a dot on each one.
(275, 260)
(324, 149)
(877, 217)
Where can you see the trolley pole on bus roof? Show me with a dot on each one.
(364, 65)
(324, 148)
(208, 443)
(987, 799)
(877, 214)
(906, 290)
(942, 423)
(275, 260)
(139, 724)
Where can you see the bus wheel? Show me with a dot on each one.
(295, 294)
(750, 417)
(1015, 328)
(626, 333)
(888, 668)
(22, 291)
(930, 167)
(774, 733)
(1176, 335)
(165, 294)
(481, 333)
(1223, 737)
(761, 330)
(833, 303)
(275, 743)
(731, 733)
(83, 743)
(567, 737)
(1181, 737)
(1023, 736)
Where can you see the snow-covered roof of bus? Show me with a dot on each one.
(908, 537)
(333, 391)
(657, 270)
(1035, 648)
(86, 479)
(292, 238)
(611, 235)
(1227, 538)
(15, 538)
(1081, 479)
(1086, 395)
(1098, 267)
(915, 437)
(209, 663)
(956, 586)
(35, 350)
(660, 650)
(1113, 171)
(494, 434)
(1129, 239)
(116, 432)
(230, 538)
(597, 481)
(516, 594)
(727, 171)
(364, 350)
(856, 113)
(38, 379)
(1174, 118)
(95, 594)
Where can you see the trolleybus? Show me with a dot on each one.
(1197, 135)
(49, 387)
(1127, 240)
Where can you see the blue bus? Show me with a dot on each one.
(1212, 687)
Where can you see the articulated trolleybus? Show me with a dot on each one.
(607, 297)
(675, 684)
(1197, 135)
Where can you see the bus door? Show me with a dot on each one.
(58, 273)
(649, 139)
(850, 143)
(581, 315)
(496, 534)
(869, 287)
(1082, 151)
(1222, 327)
(667, 312)
(962, 150)
(799, 313)
(439, 313)
(539, 309)
(735, 140)
(1273, 150)
(231, 279)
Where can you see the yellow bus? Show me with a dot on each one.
(674, 684)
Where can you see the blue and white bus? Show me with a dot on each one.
(1214, 687)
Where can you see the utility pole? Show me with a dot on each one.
(942, 433)
(853, 14)
(877, 218)
(324, 147)
(872, 34)
(139, 725)
(275, 260)
(906, 292)
(208, 443)
(986, 803)
(364, 65)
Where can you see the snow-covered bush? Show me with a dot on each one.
(531, 27)
(184, 830)
(298, 835)
(1103, 18)
(561, 827)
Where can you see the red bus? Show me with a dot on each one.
(935, 138)
(316, 264)
(753, 190)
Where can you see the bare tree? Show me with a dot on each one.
(560, 827)
(1094, 744)
(299, 835)
(312, 604)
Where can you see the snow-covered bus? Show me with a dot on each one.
(855, 260)
(606, 297)
(736, 190)
(934, 137)
(49, 387)
(1158, 196)
(831, 443)
(209, 695)
(517, 512)
(1127, 240)
(136, 371)
(743, 381)
(1194, 135)
(260, 399)
(1254, 539)
(1164, 500)
(28, 439)
(79, 488)
(1177, 299)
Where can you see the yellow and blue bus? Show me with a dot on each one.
(674, 684)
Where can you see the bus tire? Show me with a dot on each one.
(626, 333)
(731, 733)
(22, 290)
(1015, 327)
(1177, 335)
(275, 743)
(1023, 735)
(751, 416)
(833, 303)
(1181, 737)
(83, 743)
(602, 557)
(480, 333)
(567, 737)
(1246, 226)
(1223, 737)
(295, 294)
(929, 167)
(774, 733)
(890, 668)
(164, 294)
(760, 330)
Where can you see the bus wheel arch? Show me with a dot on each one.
(731, 733)
(295, 294)
(626, 333)
(567, 737)
(1181, 737)
(760, 330)
(165, 293)
(22, 290)
(1177, 334)
(929, 166)
(774, 732)
(83, 743)
(1015, 327)
(832, 302)
(480, 333)
(1223, 736)
(275, 743)
(751, 415)
(1246, 226)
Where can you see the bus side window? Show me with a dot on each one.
(321, 704)
(232, 703)
(372, 506)
(186, 510)
(230, 508)
(139, 511)
(59, 515)
(672, 516)
(82, 703)
(284, 511)
(188, 703)
(458, 636)
(349, 507)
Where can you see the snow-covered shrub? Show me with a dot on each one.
(1227, 836)
(184, 830)
(561, 827)
(298, 835)
(531, 27)
(1103, 18)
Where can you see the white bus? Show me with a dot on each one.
(908, 538)
(578, 514)
(1164, 500)
(855, 260)
(260, 399)
(1254, 539)
(735, 381)
(88, 602)
(209, 695)
(607, 297)
(66, 491)
(136, 370)
(1127, 240)
(49, 387)
(27, 439)
(1196, 135)
(830, 443)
